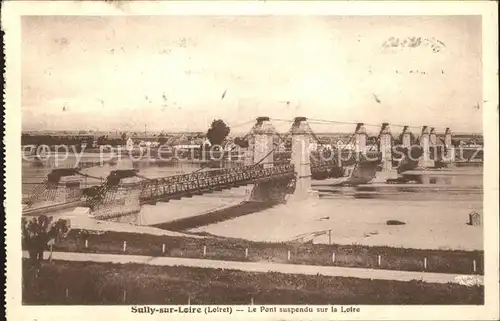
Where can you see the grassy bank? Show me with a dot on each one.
(82, 283)
(312, 254)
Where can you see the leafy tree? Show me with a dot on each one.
(102, 140)
(372, 140)
(455, 143)
(162, 139)
(218, 132)
(39, 233)
(243, 143)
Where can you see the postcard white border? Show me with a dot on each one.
(11, 13)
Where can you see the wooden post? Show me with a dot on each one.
(425, 263)
(289, 254)
(51, 251)
(189, 300)
(330, 237)
(124, 246)
(163, 248)
(86, 243)
(124, 295)
(204, 250)
(333, 257)
(251, 301)
(246, 252)
(474, 266)
(379, 260)
(67, 293)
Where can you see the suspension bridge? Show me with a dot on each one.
(124, 191)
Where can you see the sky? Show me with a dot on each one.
(177, 73)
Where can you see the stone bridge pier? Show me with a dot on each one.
(361, 136)
(406, 137)
(425, 160)
(59, 190)
(121, 200)
(261, 151)
(301, 160)
(385, 147)
(432, 137)
(449, 154)
(261, 147)
(69, 189)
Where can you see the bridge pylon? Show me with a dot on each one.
(261, 151)
(448, 145)
(263, 139)
(432, 137)
(249, 155)
(425, 161)
(60, 187)
(301, 159)
(406, 137)
(361, 136)
(385, 148)
(117, 197)
(72, 189)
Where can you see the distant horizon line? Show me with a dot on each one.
(91, 132)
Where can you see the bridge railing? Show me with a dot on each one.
(192, 184)
(197, 182)
(184, 178)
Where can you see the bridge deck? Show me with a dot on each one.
(199, 183)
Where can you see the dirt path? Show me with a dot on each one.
(270, 267)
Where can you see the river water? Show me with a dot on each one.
(435, 216)
(34, 172)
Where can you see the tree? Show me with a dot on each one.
(39, 233)
(217, 132)
(243, 143)
(102, 140)
(372, 140)
(162, 139)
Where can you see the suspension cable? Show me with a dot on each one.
(144, 177)
(276, 146)
(348, 142)
(283, 120)
(244, 123)
(324, 121)
(89, 176)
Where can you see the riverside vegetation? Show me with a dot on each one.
(218, 248)
(88, 283)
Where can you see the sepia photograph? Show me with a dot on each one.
(224, 164)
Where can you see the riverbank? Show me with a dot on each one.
(230, 249)
(88, 283)
(430, 221)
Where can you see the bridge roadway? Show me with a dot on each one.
(179, 186)
(175, 187)
(264, 267)
(186, 185)
(197, 183)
